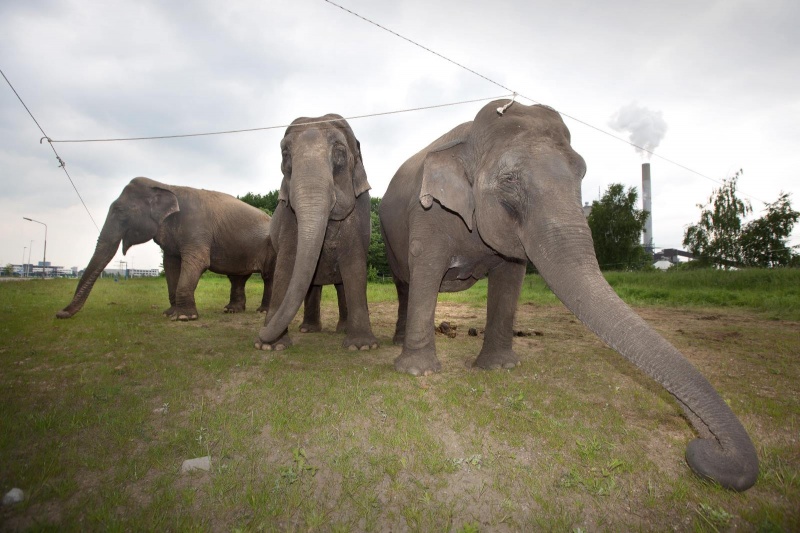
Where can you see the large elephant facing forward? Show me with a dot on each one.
(321, 229)
(506, 188)
(198, 230)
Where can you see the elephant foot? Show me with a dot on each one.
(360, 342)
(341, 326)
(310, 328)
(417, 362)
(185, 314)
(64, 314)
(494, 360)
(262, 308)
(233, 308)
(169, 311)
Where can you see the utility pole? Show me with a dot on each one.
(44, 255)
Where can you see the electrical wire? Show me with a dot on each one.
(61, 162)
(490, 80)
(281, 126)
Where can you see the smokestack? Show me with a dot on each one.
(647, 234)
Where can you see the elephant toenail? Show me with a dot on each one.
(352, 348)
(365, 347)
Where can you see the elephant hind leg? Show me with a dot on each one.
(505, 285)
(402, 312)
(341, 326)
(312, 322)
(238, 297)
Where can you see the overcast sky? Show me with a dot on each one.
(719, 81)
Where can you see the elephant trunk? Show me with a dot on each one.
(564, 256)
(103, 254)
(311, 205)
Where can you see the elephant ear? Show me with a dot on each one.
(360, 183)
(163, 203)
(283, 193)
(444, 179)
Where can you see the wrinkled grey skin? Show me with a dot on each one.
(320, 230)
(198, 230)
(482, 200)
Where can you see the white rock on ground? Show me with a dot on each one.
(15, 495)
(199, 463)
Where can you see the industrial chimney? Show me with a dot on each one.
(647, 234)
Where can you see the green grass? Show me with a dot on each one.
(100, 410)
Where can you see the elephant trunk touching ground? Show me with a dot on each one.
(107, 246)
(724, 452)
(311, 204)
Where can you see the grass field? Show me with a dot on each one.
(98, 413)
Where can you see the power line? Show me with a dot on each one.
(486, 78)
(183, 135)
(61, 162)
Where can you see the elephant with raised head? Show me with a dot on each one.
(320, 230)
(498, 191)
(197, 230)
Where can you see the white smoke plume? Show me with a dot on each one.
(645, 127)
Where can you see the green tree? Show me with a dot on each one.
(764, 240)
(617, 228)
(377, 263)
(715, 239)
(266, 202)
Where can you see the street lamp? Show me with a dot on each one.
(28, 271)
(23, 261)
(44, 255)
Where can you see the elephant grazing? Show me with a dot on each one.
(320, 230)
(490, 195)
(198, 230)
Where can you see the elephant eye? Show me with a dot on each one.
(339, 156)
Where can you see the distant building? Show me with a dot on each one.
(132, 272)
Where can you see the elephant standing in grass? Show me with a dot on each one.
(490, 195)
(197, 230)
(320, 230)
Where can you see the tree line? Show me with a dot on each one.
(720, 238)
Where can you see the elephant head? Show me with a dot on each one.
(323, 174)
(514, 178)
(132, 219)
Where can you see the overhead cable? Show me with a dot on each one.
(61, 162)
(490, 80)
(182, 135)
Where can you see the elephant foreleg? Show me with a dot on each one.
(192, 267)
(419, 348)
(280, 282)
(505, 285)
(311, 317)
(172, 271)
(358, 334)
(238, 296)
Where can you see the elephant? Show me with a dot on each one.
(484, 199)
(197, 230)
(320, 229)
